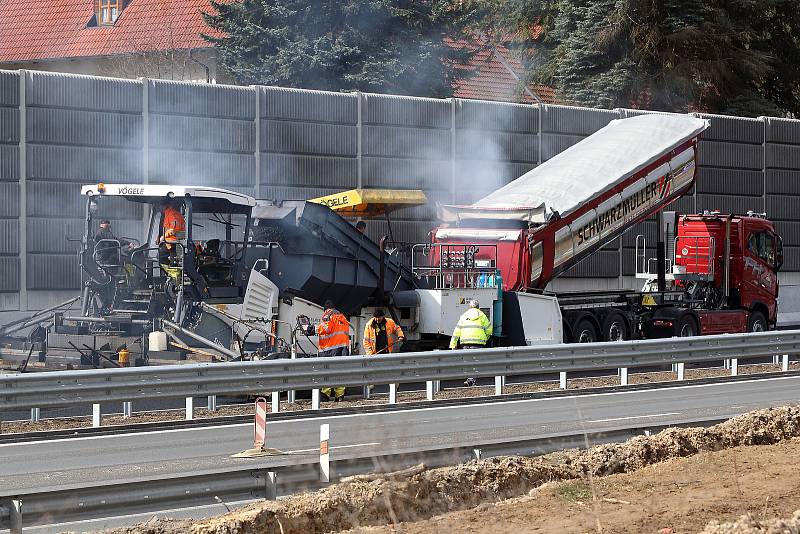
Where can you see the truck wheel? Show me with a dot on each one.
(584, 332)
(615, 328)
(687, 327)
(756, 322)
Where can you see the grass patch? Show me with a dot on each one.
(575, 491)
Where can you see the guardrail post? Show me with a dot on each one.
(276, 401)
(127, 409)
(429, 390)
(562, 380)
(35, 415)
(726, 363)
(681, 370)
(212, 403)
(189, 408)
(785, 363)
(315, 399)
(15, 511)
(623, 376)
(499, 384)
(478, 453)
(365, 392)
(776, 360)
(97, 416)
(324, 454)
(271, 489)
(734, 366)
(392, 393)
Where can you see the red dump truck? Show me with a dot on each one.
(712, 273)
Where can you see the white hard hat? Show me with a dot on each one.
(474, 304)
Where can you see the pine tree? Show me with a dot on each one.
(725, 56)
(392, 46)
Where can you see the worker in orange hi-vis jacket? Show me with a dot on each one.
(382, 335)
(334, 340)
(173, 220)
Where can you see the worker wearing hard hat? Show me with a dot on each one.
(382, 335)
(334, 340)
(472, 331)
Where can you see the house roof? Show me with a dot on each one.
(494, 73)
(31, 30)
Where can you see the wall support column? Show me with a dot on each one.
(23, 192)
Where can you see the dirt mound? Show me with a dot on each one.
(392, 499)
(748, 525)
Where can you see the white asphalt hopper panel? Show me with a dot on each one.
(577, 175)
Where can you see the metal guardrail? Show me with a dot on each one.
(197, 380)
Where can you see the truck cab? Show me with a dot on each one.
(730, 262)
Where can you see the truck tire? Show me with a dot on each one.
(614, 328)
(686, 327)
(757, 322)
(584, 332)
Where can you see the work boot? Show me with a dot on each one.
(469, 382)
(339, 398)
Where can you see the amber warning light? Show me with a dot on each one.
(101, 187)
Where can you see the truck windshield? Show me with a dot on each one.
(762, 245)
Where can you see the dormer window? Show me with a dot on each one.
(108, 11)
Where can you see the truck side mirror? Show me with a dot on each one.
(778, 262)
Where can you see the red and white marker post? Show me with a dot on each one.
(324, 454)
(260, 424)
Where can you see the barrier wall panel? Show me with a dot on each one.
(202, 168)
(791, 261)
(574, 120)
(648, 228)
(478, 144)
(83, 164)
(736, 129)
(308, 171)
(84, 128)
(486, 176)
(783, 157)
(53, 271)
(9, 125)
(9, 163)
(9, 237)
(730, 155)
(729, 203)
(281, 193)
(783, 207)
(188, 98)
(309, 138)
(406, 142)
(782, 182)
(202, 133)
(406, 111)
(58, 199)
(553, 144)
(496, 116)
(601, 264)
(309, 106)
(9, 88)
(54, 235)
(745, 182)
(783, 130)
(9, 266)
(82, 92)
(9, 199)
(789, 231)
(407, 173)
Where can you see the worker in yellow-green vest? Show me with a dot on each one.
(472, 331)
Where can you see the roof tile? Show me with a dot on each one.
(30, 30)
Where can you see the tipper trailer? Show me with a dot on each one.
(722, 273)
